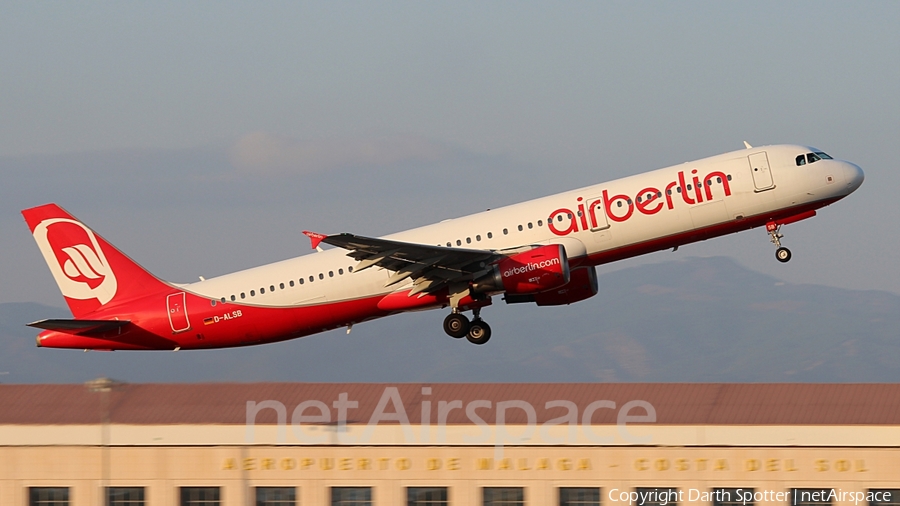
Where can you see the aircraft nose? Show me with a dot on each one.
(853, 175)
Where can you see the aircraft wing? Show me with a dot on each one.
(431, 267)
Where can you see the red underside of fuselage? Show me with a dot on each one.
(260, 324)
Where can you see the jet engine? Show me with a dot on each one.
(533, 271)
(583, 285)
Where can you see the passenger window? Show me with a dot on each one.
(321, 276)
(639, 200)
(520, 228)
(478, 238)
(261, 291)
(801, 160)
(350, 269)
(282, 285)
(449, 245)
(341, 272)
(729, 177)
(243, 296)
(272, 287)
(253, 293)
(212, 302)
(669, 191)
(530, 225)
(619, 202)
(490, 235)
(689, 187)
(330, 274)
(458, 242)
(505, 231)
(233, 298)
(311, 279)
(300, 280)
(468, 240)
(540, 223)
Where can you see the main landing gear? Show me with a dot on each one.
(782, 254)
(477, 331)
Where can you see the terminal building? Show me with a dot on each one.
(285, 444)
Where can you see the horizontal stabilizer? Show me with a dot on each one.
(79, 327)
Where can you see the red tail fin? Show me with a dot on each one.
(90, 272)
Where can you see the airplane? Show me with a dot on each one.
(543, 251)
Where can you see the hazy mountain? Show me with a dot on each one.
(701, 319)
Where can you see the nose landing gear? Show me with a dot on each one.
(477, 331)
(782, 254)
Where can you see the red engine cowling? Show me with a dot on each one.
(532, 271)
(583, 285)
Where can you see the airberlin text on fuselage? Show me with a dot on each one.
(648, 201)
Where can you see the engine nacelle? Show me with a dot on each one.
(583, 285)
(537, 270)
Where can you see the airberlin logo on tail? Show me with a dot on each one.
(76, 260)
(650, 200)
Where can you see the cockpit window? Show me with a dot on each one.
(812, 157)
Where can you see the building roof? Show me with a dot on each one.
(674, 403)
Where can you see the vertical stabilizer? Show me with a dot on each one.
(91, 273)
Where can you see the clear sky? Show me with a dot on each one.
(202, 137)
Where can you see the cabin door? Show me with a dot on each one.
(759, 168)
(178, 317)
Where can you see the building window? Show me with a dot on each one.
(200, 496)
(124, 496)
(503, 496)
(811, 496)
(426, 496)
(276, 496)
(351, 496)
(48, 496)
(657, 496)
(884, 497)
(731, 497)
(579, 496)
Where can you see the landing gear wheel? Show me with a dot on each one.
(479, 332)
(783, 254)
(456, 325)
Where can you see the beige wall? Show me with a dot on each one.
(464, 469)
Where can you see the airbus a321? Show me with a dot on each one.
(542, 252)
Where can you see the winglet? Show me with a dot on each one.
(747, 145)
(315, 239)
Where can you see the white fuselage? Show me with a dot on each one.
(763, 184)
